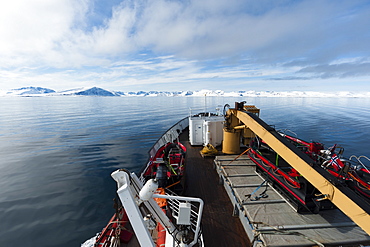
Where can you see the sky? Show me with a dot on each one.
(171, 45)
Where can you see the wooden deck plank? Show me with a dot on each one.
(219, 227)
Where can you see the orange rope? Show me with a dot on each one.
(173, 184)
(367, 186)
(239, 155)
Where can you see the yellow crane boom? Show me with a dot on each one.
(344, 198)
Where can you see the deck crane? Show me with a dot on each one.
(243, 118)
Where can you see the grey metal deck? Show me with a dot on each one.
(271, 221)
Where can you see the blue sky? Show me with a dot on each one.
(279, 45)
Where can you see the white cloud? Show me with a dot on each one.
(248, 39)
(36, 26)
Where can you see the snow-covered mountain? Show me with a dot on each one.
(96, 91)
(30, 91)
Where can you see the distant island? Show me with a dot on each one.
(96, 91)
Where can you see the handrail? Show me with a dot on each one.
(169, 136)
(359, 160)
(176, 199)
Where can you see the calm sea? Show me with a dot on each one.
(57, 153)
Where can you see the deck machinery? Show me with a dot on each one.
(243, 122)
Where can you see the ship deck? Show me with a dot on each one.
(232, 218)
(218, 226)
